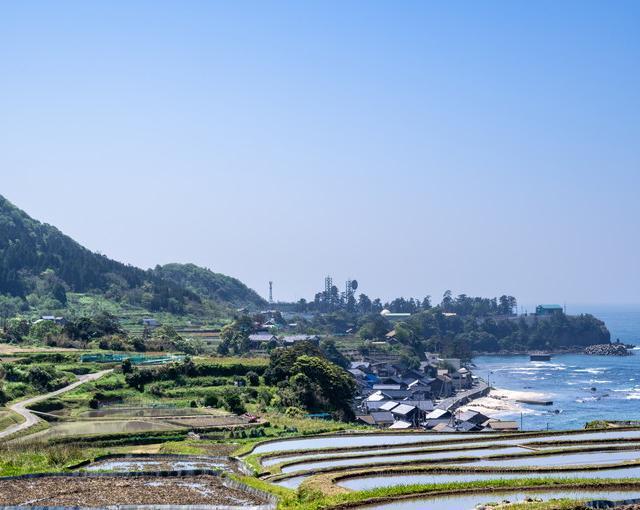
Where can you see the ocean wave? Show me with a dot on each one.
(594, 371)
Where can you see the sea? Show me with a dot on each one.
(582, 387)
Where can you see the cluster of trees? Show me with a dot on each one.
(461, 335)
(207, 284)
(234, 337)
(41, 377)
(308, 381)
(341, 307)
(102, 330)
(82, 329)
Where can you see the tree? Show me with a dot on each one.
(281, 360)
(233, 401)
(42, 330)
(127, 366)
(253, 378)
(507, 305)
(375, 326)
(447, 300)
(334, 385)
(41, 377)
(364, 304)
(331, 352)
(235, 336)
(17, 329)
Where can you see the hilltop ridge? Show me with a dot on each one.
(39, 263)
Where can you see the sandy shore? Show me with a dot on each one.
(503, 402)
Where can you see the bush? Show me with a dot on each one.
(127, 367)
(46, 406)
(234, 403)
(4, 398)
(211, 400)
(253, 378)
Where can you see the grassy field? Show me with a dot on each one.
(8, 418)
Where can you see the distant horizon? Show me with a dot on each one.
(484, 148)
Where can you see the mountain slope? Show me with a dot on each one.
(210, 285)
(36, 258)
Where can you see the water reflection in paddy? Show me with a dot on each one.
(292, 483)
(464, 502)
(411, 441)
(362, 440)
(562, 459)
(100, 427)
(374, 482)
(401, 458)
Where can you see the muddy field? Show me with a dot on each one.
(161, 463)
(101, 491)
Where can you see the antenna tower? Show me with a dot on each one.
(328, 283)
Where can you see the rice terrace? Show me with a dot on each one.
(152, 453)
(280, 255)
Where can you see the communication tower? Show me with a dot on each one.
(350, 287)
(328, 283)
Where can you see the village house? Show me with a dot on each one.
(262, 340)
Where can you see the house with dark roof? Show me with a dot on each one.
(262, 340)
(472, 417)
(406, 412)
(388, 406)
(377, 418)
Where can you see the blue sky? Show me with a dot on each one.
(485, 147)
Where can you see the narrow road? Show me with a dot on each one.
(31, 419)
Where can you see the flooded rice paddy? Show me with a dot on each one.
(159, 463)
(351, 445)
(467, 501)
(84, 428)
(426, 446)
(354, 441)
(564, 459)
(402, 458)
(389, 480)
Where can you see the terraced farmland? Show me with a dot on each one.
(429, 470)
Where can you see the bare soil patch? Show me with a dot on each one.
(107, 490)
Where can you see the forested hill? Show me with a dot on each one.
(207, 284)
(36, 258)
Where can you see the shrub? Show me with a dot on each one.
(253, 378)
(234, 403)
(211, 400)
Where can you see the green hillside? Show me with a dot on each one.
(39, 265)
(207, 284)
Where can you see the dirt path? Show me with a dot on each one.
(30, 418)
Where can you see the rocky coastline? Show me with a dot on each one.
(616, 349)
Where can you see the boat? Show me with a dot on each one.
(535, 401)
(539, 356)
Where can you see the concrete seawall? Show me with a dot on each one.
(461, 398)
